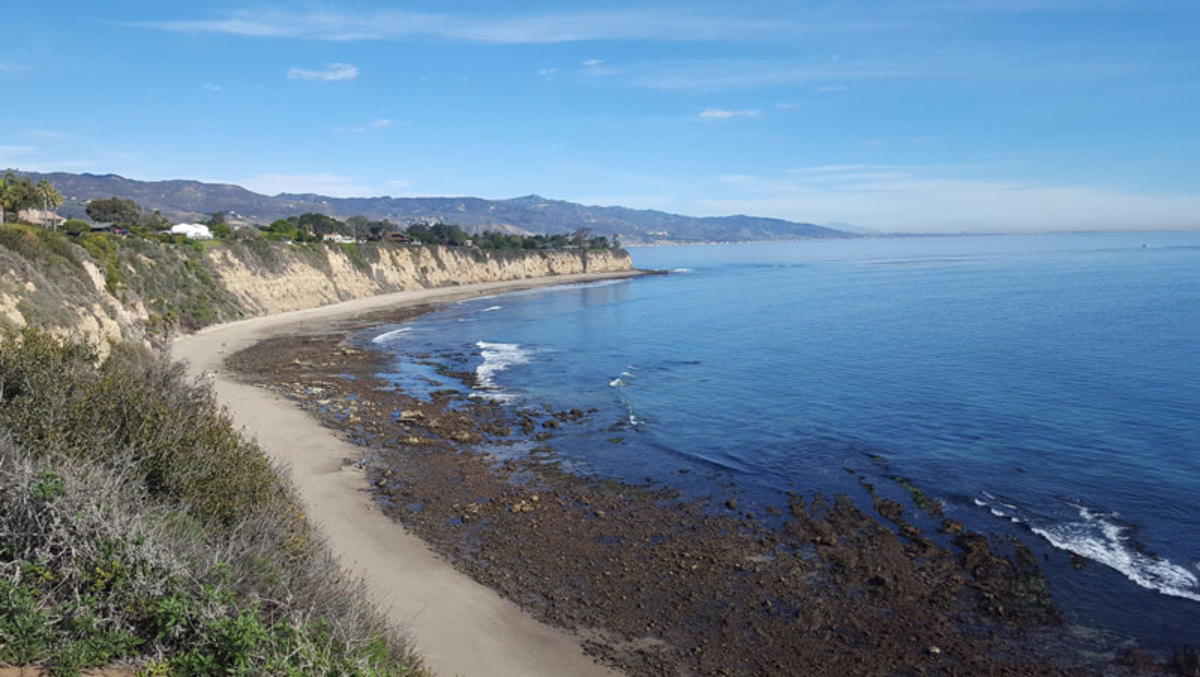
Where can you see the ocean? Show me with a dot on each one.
(1040, 386)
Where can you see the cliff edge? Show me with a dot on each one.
(102, 289)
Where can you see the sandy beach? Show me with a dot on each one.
(459, 626)
(517, 567)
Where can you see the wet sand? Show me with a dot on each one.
(458, 625)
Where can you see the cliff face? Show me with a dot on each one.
(113, 289)
(338, 274)
(48, 284)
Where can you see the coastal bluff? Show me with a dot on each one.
(301, 281)
(104, 289)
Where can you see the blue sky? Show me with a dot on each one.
(921, 115)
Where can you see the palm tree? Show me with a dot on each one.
(49, 197)
(5, 197)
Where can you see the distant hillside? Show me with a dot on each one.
(189, 200)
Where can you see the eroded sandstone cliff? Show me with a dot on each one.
(113, 289)
(308, 279)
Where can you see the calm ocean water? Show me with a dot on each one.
(1042, 386)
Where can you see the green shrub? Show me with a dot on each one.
(103, 248)
(45, 247)
(136, 525)
(183, 444)
(259, 254)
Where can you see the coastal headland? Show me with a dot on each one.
(538, 565)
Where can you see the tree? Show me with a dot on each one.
(580, 237)
(76, 227)
(377, 229)
(319, 224)
(5, 197)
(47, 196)
(245, 233)
(419, 232)
(17, 193)
(438, 233)
(114, 210)
(282, 229)
(154, 221)
(360, 227)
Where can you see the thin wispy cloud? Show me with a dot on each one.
(828, 76)
(715, 75)
(334, 72)
(592, 63)
(373, 126)
(11, 151)
(600, 25)
(938, 198)
(49, 134)
(547, 73)
(725, 114)
(212, 88)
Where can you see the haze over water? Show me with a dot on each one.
(1042, 386)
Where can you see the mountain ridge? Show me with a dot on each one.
(189, 200)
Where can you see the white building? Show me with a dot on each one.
(192, 231)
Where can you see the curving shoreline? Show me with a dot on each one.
(533, 576)
(458, 625)
(654, 583)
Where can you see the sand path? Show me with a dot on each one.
(459, 626)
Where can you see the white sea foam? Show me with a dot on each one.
(1100, 537)
(496, 358)
(387, 336)
(491, 308)
(682, 270)
(617, 383)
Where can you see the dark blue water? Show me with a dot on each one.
(1043, 386)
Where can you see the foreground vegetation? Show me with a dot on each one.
(138, 527)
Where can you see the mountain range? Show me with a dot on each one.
(184, 200)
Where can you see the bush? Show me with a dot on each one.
(184, 446)
(175, 282)
(136, 523)
(92, 573)
(40, 246)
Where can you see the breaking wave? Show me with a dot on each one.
(1102, 536)
(496, 358)
(387, 336)
(623, 380)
